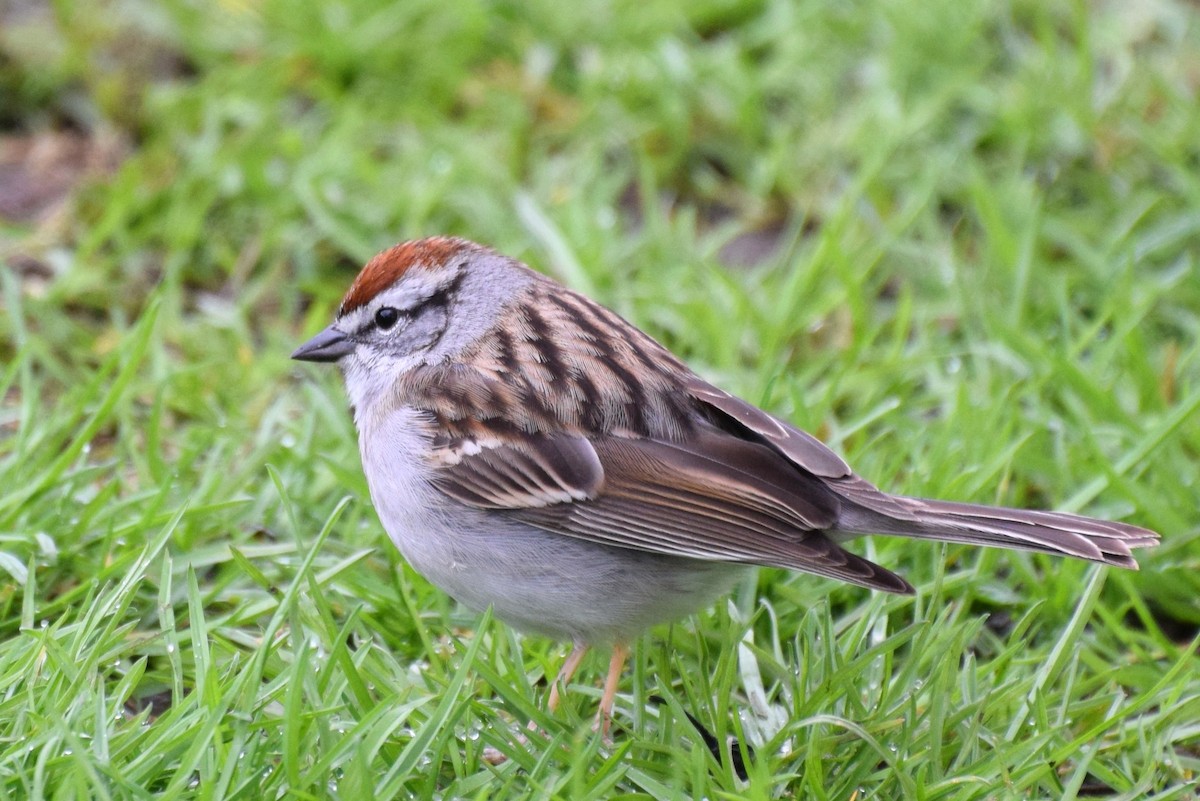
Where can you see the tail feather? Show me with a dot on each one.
(1060, 533)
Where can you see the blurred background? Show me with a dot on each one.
(958, 240)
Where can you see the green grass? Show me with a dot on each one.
(983, 286)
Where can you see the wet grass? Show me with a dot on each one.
(956, 240)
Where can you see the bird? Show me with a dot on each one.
(531, 451)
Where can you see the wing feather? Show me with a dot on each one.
(529, 472)
(797, 446)
(715, 497)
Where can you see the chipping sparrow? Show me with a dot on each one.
(530, 450)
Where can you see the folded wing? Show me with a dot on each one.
(715, 497)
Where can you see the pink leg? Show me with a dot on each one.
(620, 653)
(578, 652)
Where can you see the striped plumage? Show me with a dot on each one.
(532, 413)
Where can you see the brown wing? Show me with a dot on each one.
(516, 473)
(868, 510)
(799, 447)
(715, 497)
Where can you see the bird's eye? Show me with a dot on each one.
(386, 317)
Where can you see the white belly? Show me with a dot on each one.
(535, 580)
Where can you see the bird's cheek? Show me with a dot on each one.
(423, 332)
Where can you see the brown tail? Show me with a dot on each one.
(1048, 532)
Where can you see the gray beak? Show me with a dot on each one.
(327, 346)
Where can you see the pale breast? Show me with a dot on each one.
(536, 580)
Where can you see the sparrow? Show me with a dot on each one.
(529, 450)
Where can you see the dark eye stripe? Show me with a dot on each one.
(387, 316)
(441, 298)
